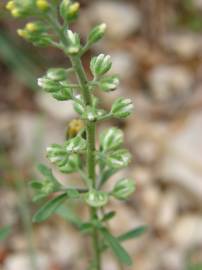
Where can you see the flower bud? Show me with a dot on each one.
(111, 139)
(72, 164)
(42, 5)
(96, 198)
(10, 5)
(69, 11)
(100, 64)
(123, 189)
(56, 154)
(47, 187)
(109, 83)
(73, 42)
(57, 74)
(96, 33)
(90, 114)
(122, 108)
(77, 144)
(74, 127)
(16, 12)
(118, 159)
(79, 105)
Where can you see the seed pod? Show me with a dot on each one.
(57, 74)
(109, 83)
(73, 42)
(111, 139)
(56, 154)
(100, 64)
(122, 108)
(72, 164)
(123, 189)
(76, 145)
(118, 159)
(96, 198)
(96, 33)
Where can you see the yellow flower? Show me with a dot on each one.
(22, 33)
(74, 127)
(10, 5)
(42, 5)
(31, 27)
(15, 12)
(74, 8)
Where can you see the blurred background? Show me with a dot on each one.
(156, 47)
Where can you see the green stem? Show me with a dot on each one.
(90, 128)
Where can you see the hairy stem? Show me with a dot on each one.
(90, 128)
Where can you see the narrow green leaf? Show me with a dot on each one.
(49, 208)
(69, 214)
(117, 249)
(45, 171)
(132, 234)
(109, 216)
(4, 232)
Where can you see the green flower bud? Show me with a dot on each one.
(42, 5)
(57, 74)
(123, 189)
(21, 8)
(109, 83)
(72, 164)
(96, 33)
(90, 114)
(119, 159)
(76, 144)
(79, 105)
(73, 42)
(111, 139)
(100, 64)
(96, 198)
(69, 11)
(122, 108)
(56, 154)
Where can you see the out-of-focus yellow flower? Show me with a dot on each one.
(74, 127)
(15, 12)
(73, 9)
(42, 5)
(31, 27)
(22, 33)
(10, 5)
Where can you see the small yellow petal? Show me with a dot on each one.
(10, 5)
(15, 12)
(31, 27)
(74, 8)
(42, 5)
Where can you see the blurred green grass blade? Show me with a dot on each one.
(18, 61)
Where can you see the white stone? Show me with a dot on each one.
(122, 19)
(22, 262)
(182, 160)
(168, 82)
(187, 231)
(167, 211)
(185, 45)
(123, 64)
(60, 110)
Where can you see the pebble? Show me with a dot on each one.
(59, 110)
(122, 19)
(22, 262)
(182, 160)
(168, 82)
(184, 45)
(187, 233)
